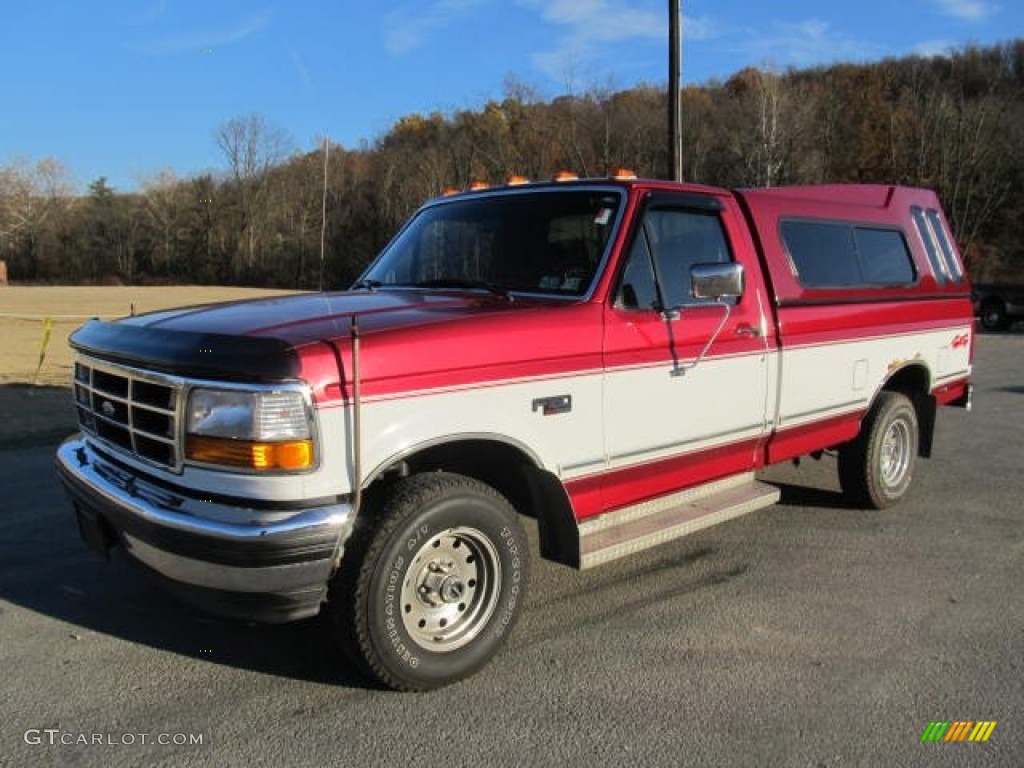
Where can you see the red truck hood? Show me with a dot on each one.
(414, 340)
(310, 317)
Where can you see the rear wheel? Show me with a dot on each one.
(993, 316)
(428, 593)
(876, 468)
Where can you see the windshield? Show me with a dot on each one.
(544, 242)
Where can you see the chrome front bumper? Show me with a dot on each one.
(268, 565)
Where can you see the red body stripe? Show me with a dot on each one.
(788, 443)
(631, 485)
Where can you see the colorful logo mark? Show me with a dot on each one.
(958, 730)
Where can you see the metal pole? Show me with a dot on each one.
(323, 215)
(675, 135)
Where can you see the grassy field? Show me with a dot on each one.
(40, 408)
(23, 310)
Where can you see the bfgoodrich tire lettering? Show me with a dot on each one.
(876, 468)
(428, 593)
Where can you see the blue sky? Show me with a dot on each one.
(126, 89)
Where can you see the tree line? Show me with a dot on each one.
(952, 123)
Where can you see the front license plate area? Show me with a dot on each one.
(94, 532)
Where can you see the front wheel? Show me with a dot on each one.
(876, 468)
(428, 593)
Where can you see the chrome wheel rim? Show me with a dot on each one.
(896, 450)
(451, 589)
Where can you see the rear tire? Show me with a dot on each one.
(427, 594)
(993, 315)
(876, 468)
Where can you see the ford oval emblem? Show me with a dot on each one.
(107, 408)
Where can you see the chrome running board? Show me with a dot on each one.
(650, 523)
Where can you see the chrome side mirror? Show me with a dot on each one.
(716, 281)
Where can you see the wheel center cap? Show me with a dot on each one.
(452, 589)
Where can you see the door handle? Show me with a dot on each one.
(550, 406)
(746, 329)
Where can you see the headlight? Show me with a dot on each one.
(261, 430)
(243, 415)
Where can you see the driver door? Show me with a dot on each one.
(686, 379)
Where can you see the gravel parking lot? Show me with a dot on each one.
(807, 634)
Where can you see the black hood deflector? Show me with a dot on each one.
(189, 353)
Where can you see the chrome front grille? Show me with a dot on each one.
(130, 410)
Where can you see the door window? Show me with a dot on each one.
(665, 247)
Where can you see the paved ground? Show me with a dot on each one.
(807, 634)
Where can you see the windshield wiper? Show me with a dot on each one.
(456, 282)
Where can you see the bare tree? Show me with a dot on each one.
(29, 195)
(761, 131)
(252, 146)
(165, 202)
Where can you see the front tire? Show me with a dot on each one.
(427, 594)
(876, 468)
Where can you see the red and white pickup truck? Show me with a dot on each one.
(615, 358)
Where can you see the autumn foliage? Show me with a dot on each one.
(952, 123)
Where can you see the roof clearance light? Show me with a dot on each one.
(478, 185)
(517, 181)
(565, 176)
(449, 191)
(624, 174)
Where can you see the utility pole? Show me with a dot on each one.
(675, 132)
(323, 216)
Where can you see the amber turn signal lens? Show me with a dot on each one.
(290, 455)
